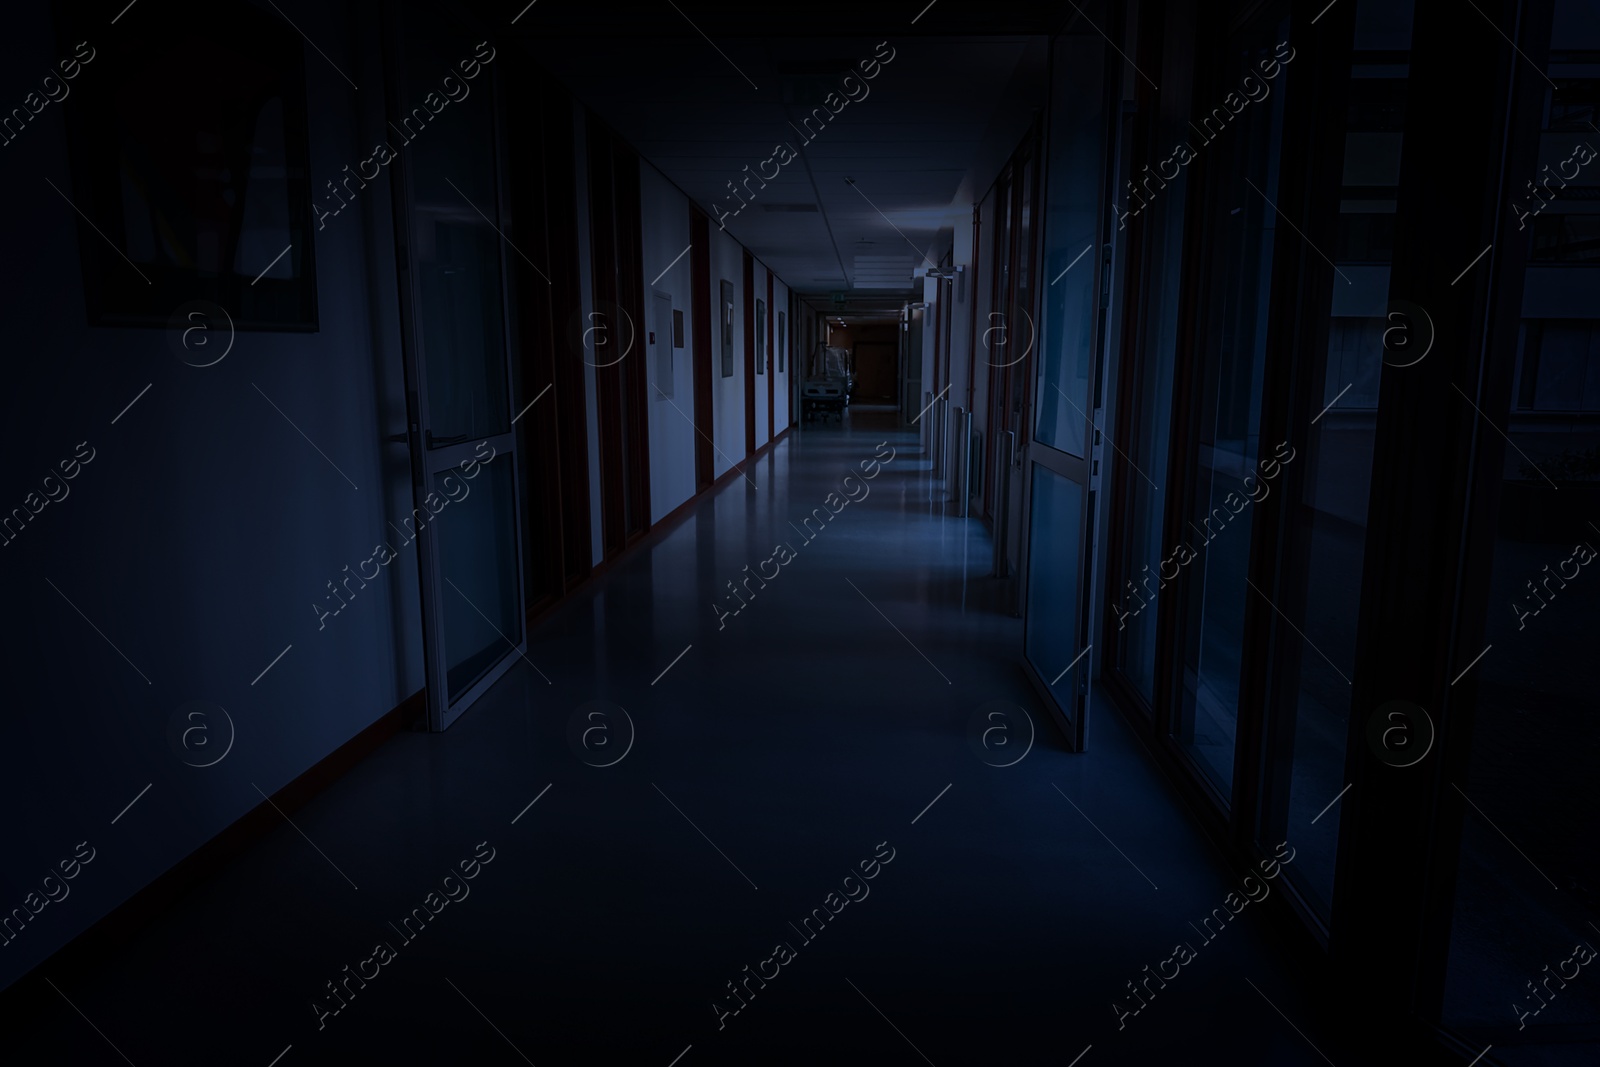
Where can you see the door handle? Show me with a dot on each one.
(434, 442)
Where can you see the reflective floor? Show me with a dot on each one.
(708, 827)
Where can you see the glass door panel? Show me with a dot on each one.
(1055, 567)
(1068, 318)
(458, 373)
(477, 550)
(1229, 463)
(1327, 527)
(1024, 320)
(1060, 491)
(1527, 882)
(1152, 337)
(997, 335)
(460, 318)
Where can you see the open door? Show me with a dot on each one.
(465, 476)
(1062, 457)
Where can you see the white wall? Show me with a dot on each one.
(780, 381)
(665, 214)
(727, 394)
(202, 531)
(206, 526)
(759, 280)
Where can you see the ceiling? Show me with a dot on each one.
(870, 193)
(899, 19)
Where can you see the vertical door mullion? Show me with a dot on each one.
(395, 22)
(1299, 277)
(1400, 832)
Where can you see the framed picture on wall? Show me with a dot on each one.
(761, 337)
(677, 328)
(783, 338)
(190, 170)
(727, 328)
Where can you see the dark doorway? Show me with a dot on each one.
(618, 309)
(876, 359)
(550, 405)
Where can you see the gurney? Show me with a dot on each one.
(826, 389)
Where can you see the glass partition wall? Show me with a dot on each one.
(1526, 902)
(1351, 488)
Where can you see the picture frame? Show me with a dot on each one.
(726, 290)
(187, 196)
(761, 337)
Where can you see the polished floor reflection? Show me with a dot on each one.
(632, 873)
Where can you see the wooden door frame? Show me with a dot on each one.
(703, 314)
(772, 359)
(749, 289)
(557, 475)
(620, 386)
(635, 377)
(603, 271)
(1408, 826)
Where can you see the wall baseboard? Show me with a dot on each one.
(84, 953)
(654, 532)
